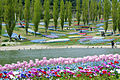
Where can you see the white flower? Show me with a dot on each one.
(11, 76)
(15, 72)
(118, 70)
(111, 71)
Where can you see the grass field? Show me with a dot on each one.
(73, 41)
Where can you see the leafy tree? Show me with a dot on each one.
(46, 14)
(37, 15)
(1, 15)
(62, 13)
(95, 10)
(55, 13)
(78, 13)
(119, 17)
(27, 14)
(32, 9)
(20, 10)
(9, 16)
(16, 6)
(85, 11)
(114, 14)
(92, 10)
(107, 11)
(100, 9)
(66, 11)
(69, 13)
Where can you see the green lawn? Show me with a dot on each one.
(73, 41)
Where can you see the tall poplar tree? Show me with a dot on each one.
(78, 13)
(16, 6)
(20, 10)
(37, 14)
(100, 9)
(85, 11)
(119, 17)
(91, 12)
(66, 11)
(9, 15)
(114, 14)
(55, 13)
(1, 15)
(46, 14)
(95, 10)
(62, 13)
(32, 9)
(107, 11)
(27, 14)
(69, 13)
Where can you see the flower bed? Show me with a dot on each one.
(103, 67)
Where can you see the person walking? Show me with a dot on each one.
(112, 42)
(19, 37)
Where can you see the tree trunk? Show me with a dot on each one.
(62, 28)
(10, 39)
(46, 30)
(0, 27)
(35, 34)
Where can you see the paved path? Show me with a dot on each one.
(30, 47)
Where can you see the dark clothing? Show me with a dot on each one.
(19, 37)
(91, 28)
(103, 34)
(112, 44)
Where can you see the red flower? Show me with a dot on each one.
(90, 77)
(58, 75)
(29, 71)
(1, 74)
(89, 72)
(64, 72)
(44, 72)
(104, 72)
(55, 73)
(6, 77)
(52, 70)
(111, 63)
(78, 75)
(116, 62)
(80, 67)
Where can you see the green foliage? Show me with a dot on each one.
(119, 17)
(16, 6)
(37, 14)
(27, 14)
(78, 12)
(69, 13)
(94, 10)
(1, 15)
(62, 11)
(99, 9)
(85, 16)
(20, 10)
(66, 11)
(114, 14)
(107, 10)
(9, 17)
(32, 9)
(55, 13)
(46, 14)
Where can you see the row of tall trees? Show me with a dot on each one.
(86, 11)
